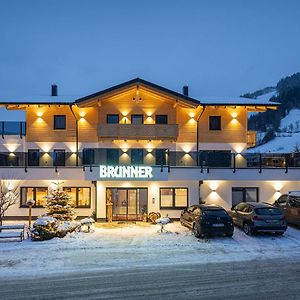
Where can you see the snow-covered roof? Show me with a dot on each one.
(207, 100)
(39, 99)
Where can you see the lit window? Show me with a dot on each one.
(38, 194)
(173, 198)
(80, 196)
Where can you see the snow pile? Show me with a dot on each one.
(44, 221)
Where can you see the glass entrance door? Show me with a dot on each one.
(129, 204)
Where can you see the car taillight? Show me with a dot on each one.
(256, 218)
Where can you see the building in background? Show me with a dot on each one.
(144, 148)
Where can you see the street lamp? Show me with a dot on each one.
(29, 203)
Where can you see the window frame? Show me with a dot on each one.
(55, 158)
(243, 189)
(131, 156)
(34, 196)
(210, 127)
(173, 207)
(39, 156)
(137, 115)
(76, 200)
(160, 115)
(118, 156)
(112, 115)
(55, 125)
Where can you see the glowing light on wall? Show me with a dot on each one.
(11, 147)
(39, 114)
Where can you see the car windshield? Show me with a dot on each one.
(215, 212)
(267, 211)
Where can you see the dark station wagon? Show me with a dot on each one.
(207, 220)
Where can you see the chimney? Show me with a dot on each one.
(53, 90)
(185, 90)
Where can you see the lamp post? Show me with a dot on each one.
(29, 203)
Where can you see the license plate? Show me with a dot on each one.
(218, 225)
(272, 221)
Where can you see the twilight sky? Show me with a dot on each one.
(218, 48)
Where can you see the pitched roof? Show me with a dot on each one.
(140, 82)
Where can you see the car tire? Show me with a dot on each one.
(247, 228)
(196, 231)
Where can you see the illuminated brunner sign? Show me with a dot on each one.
(125, 172)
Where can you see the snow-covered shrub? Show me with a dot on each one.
(44, 228)
(66, 227)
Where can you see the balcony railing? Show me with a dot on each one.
(202, 159)
(12, 128)
(142, 131)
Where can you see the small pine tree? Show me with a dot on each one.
(59, 205)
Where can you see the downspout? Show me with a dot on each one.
(198, 133)
(76, 133)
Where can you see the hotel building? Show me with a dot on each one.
(142, 146)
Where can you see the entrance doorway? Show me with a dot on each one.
(128, 204)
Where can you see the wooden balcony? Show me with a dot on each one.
(251, 139)
(143, 131)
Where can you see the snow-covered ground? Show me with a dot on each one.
(138, 245)
(286, 140)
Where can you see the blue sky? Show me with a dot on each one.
(218, 48)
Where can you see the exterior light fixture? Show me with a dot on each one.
(137, 98)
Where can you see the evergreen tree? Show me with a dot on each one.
(59, 204)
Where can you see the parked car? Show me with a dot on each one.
(258, 217)
(207, 220)
(289, 204)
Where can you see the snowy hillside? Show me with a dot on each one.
(288, 137)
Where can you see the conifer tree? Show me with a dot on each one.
(59, 204)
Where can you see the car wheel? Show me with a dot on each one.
(196, 231)
(247, 229)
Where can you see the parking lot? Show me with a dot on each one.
(121, 246)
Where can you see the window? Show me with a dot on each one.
(161, 119)
(137, 119)
(244, 194)
(137, 156)
(112, 157)
(88, 156)
(59, 157)
(59, 121)
(112, 119)
(38, 194)
(214, 122)
(173, 198)
(81, 196)
(161, 156)
(33, 157)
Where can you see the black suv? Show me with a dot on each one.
(207, 220)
